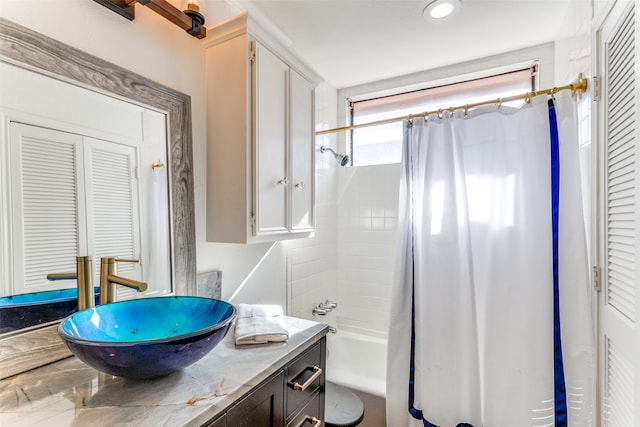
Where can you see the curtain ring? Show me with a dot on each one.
(466, 110)
(409, 119)
(440, 113)
(499, 103)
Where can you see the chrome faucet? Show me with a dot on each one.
(109, 279)
(84, 280)
(324, 307)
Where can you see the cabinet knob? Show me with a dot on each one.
(300, 185)
(284, 181)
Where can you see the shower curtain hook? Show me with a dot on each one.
(409, 119)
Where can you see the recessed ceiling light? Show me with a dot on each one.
(439, 9)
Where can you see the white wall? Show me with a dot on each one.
(154, 47)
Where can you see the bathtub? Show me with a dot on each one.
(357, 361)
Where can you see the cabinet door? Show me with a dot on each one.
(301, 153)
(264, 407)
(220, 422)
(270, 142)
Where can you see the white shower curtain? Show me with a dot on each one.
(476, 261)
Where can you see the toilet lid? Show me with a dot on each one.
(342, 407)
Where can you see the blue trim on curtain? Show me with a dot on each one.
(415, 413)
(560, 393)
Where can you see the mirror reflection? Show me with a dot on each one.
(31, 347)
(83, 174)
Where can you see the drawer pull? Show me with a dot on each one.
(316, 374)
(313, 420)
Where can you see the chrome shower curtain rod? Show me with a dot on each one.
(578, 87)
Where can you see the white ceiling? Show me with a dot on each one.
(349, 42)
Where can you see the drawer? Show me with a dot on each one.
(310, 416)
(304, 378)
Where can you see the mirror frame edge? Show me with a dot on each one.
(24, 47)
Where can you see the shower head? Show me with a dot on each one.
(342, 159)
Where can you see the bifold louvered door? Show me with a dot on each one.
(112, 208)
(71, 195)
(618, 237)
(47, 230)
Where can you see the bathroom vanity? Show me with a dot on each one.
(278, 384)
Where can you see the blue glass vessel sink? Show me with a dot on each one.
(37, 308)
(149, 337)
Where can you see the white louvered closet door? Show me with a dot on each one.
(619, 222)
(71, 195)
(112, 206)
(47, 217)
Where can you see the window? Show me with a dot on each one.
(383, 144)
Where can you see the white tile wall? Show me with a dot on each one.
(350, 258)
(367, 223)
(312, 263)
(573, 58)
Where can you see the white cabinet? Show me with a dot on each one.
(260, 139)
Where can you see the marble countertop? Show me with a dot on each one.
(70, 393)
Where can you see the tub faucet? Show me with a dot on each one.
(319, 310)
(328, 305)
(324, 307)
(109, 279)
(84, 280)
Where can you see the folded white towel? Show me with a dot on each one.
(259, 324)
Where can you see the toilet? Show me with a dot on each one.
(342, 407)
